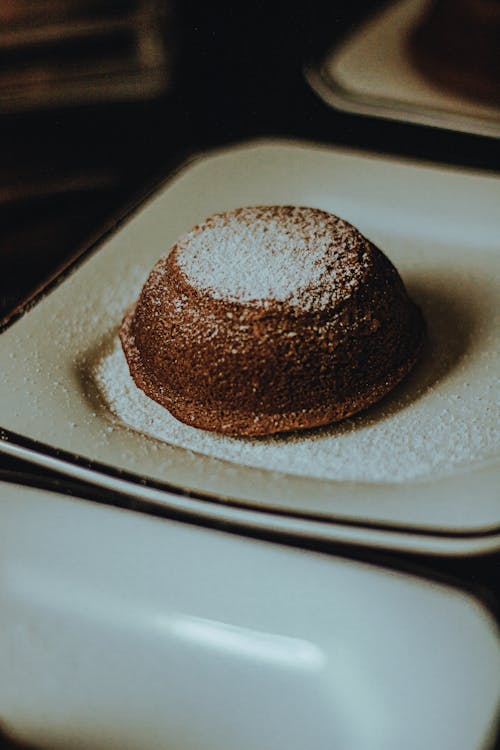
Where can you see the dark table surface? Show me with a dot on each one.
(67, 176)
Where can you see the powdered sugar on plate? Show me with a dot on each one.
(444, 417)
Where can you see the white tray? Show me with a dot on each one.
(433, 222)
(124, 632)
(371, 73)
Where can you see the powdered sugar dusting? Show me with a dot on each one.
(442, 418)
(303, 256)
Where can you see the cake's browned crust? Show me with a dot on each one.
(456, 45)
(254, 369)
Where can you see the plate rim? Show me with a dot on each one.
(236, 511)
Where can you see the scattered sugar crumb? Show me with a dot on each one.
(436, 434)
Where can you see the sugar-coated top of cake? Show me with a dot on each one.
(305, 257)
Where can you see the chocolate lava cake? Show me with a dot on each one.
(269, 319)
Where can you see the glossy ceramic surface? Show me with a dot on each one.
(118, 630)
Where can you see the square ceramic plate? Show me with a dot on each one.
(370, 73)
(174, 636)
(439, 226)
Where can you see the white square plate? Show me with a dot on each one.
(439, 226)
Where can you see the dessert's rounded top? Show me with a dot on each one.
(305, 257)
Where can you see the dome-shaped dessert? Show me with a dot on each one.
(270, 319)
(456, 44)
